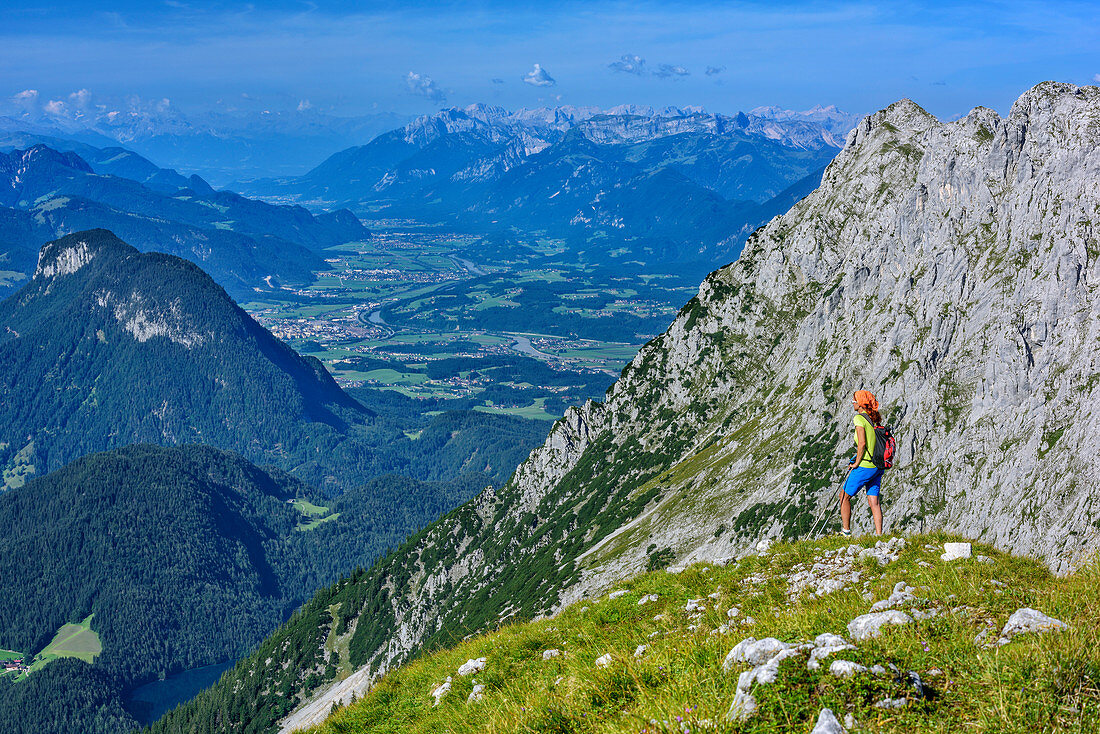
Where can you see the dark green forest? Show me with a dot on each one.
(186, 556)
(261, 689)
(67, 696)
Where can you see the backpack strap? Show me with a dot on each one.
(867, 447)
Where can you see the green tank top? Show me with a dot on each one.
(869, 431)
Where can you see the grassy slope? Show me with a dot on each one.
(1036, 683)
(77, 640)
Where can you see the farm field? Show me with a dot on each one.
(397, 311)
(313, 515)
(7, 656)
(535, 411)
(74, 640)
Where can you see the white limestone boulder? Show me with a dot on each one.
(475, 665)
(871, 624)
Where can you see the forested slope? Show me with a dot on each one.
(118, 347)
(184, 557)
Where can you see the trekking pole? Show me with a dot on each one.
(831, 507)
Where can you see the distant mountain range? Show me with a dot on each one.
(230, 145)
(675, 185)
(58, 186)
(220, 146)
(672, 186)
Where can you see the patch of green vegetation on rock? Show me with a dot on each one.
(954, 401)
(1050, 438)
(658, 558)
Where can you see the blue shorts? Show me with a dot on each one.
(861, 477)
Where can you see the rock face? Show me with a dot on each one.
(952, 268)
(871, 624)
(1030, 620)
(827, 723)
(955, 551)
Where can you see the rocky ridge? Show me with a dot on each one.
(813, 129)
(951, 267)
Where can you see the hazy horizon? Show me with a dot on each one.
(348, 60)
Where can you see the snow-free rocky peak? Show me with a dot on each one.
(952, 268)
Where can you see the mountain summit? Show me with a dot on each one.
(107, 346)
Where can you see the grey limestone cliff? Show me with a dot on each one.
(950, 267)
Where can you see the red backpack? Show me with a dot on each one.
(886, 447)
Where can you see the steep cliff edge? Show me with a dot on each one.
(953, 269)
(950, 267)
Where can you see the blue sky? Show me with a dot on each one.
(408, 57)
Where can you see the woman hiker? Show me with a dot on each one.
(862, 472)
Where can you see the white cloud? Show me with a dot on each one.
(629, 64)
(664, 71)
(1095, 78)
(635, 64)
(24, 102)
(304, 105)
(539, 78)
(80, 99)
(55, 107)
(422, 86)
(713, 70)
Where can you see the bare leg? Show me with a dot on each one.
(876, 511)
(845, 510)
